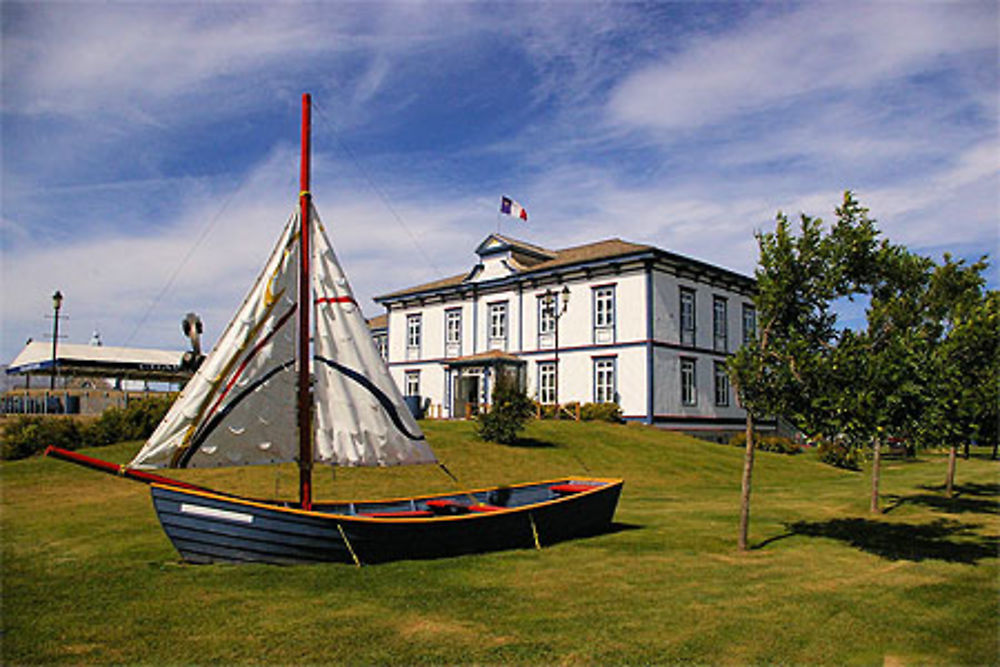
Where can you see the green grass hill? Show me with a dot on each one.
(88, 576)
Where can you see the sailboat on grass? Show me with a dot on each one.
(264, 384)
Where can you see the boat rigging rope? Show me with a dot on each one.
(184, 260)
(349, 547)
(328, 121)
(443, 468)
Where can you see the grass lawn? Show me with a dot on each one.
(89, 577)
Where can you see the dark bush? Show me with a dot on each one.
(838, 454)
(27, 435)
(608, 412)
(510, 410)
(766, 443)
(24, 436)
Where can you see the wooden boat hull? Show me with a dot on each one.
(207, 527)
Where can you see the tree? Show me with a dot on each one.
(964, 324)
(785, 369)
(510, 410)
(876, 384)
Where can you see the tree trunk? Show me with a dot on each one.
(949, 483)
(876, 473)
(996, 445)
(745, 497)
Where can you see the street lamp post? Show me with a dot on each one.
(57, 300)
(550, 304)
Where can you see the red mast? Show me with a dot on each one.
(304, 401)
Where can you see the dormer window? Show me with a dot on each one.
(500, 257)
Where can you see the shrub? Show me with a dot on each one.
(510, 410)
(27, 435)
(838, 454)
(766, 443)
(778, 444)
(24, 436)
(608, 412)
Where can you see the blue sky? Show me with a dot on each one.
(150, 150)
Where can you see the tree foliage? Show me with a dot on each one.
(924, 365)
(963, 364)
(786, 369)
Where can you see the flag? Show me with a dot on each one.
(510, 207)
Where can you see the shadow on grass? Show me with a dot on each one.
(534, 443)
(969, 498)
(970, 489)
(942, 539)
(618, 527)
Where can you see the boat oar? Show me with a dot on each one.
(116, 469)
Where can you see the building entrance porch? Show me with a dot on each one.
(470, 380)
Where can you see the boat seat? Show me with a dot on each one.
(445, 506)
(402, 514)
(568, 489)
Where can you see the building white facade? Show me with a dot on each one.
(606, 321)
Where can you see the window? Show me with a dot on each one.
(547, 382)
(412, 383)
(720, 326)
(498, 321)
(381, 343)
(413, 323)
(546, 316)
(453, 326)
(721, 385)
(689, 386)
(749, 323)
(687, 317)
(604, 380)
(604, 307)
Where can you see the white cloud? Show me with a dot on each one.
(781, 110)
(789, 57)
(71, 59)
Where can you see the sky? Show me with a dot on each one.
(150, 150)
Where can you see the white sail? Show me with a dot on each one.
(239, 407)
(360, 418)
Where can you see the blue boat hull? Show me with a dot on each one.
(207, 527)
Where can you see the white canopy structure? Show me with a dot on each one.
(100, 361)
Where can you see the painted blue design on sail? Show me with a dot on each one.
(386, 402)
(211, 424)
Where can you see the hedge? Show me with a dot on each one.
(26, 435)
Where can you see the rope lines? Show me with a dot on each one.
(328, 121)
(184, 260)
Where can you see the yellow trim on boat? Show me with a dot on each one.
(604, 484)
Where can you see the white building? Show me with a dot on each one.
(606, 321)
